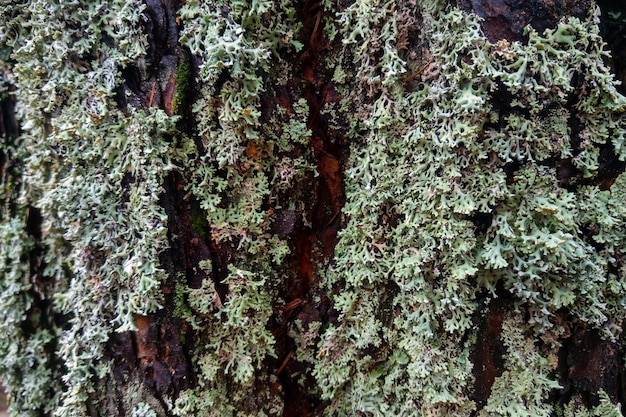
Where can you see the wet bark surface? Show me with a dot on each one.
(506, 19)
(589, 364)
(488, 353)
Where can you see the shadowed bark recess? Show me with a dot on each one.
(488, 352)
(506, 19)
(589, 364)
(613, 29)
(314, 243)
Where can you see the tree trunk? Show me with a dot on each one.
(307, 208)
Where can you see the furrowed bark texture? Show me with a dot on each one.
(312, 208)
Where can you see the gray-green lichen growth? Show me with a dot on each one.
(238, 40)
(94, 172)
(431, 155)
(431, 151)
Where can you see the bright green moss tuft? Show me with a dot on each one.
(184, 78)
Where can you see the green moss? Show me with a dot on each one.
(184, 80)
(199, 224)
(181, 307)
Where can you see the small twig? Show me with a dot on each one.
(293, 304)
(317, 23)
(282, 365)
(332, 219)
(152, 94)
(416, 73)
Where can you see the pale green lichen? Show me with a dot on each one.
(436, 157)
(143, 410)
(606, 408)
(451, 196)
(26, 366)
(243, 168)
(524, 386)
(100, 246)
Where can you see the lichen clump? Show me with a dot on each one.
(454, 196)
(477, 171)
(93, 172)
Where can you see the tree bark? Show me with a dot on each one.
(307, 208)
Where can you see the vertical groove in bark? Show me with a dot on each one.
(313, 244)
(488, 352)
(589, 364)
(156, 355)
(159, 353)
